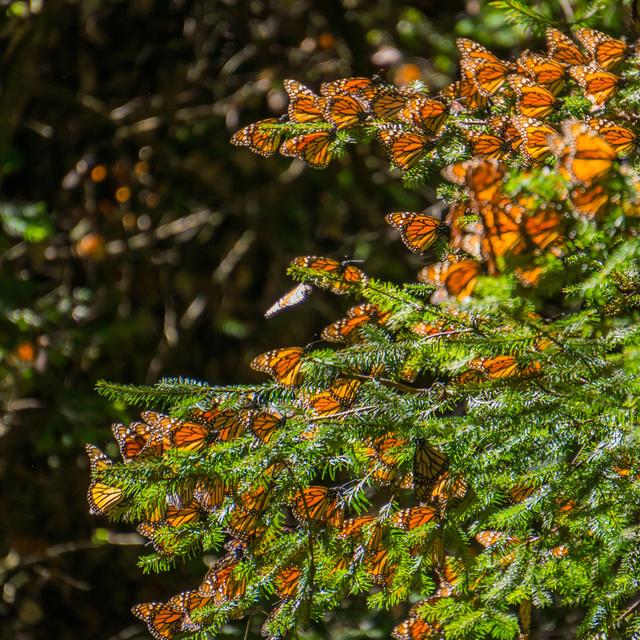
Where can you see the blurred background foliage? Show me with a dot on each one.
(137, 243)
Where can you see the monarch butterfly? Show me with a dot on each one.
(589, 201)
(344, 110)
(101, 497)
(261, 137)
(488, 145)
(338, 398)
(316, 504)
(161, 427)
(286, 581)
(470, 50)
(486, 70)
(482, 176)
(386, 476)
(415, 629)
(339, 277)
(507, 229)
(448, 490)
(620, 138)
(405, 148)
(387, 103)
(417, 230)
(387, 448)
(353, 527)
(282, 364)
(209, 494)
(162, 619)
(227, 425)
(520, 492)
(189, 601)
(177, 516)
(535, 135)
(380, 567)
(98, 461)
(205, 416)
(563, 49)
(489, 538)
(466, 91)
(298, 294)
(424, 113)
(162, 544)
(543, 70)
(533, 100)
(346, 329)
(607, 52)
(428, 464)
(347, 85)
(598, 85)
(264, 424)
(587, 156)
(503, 127)
(219, 572)
(506, 367)
(131, 439)
(458, 277)
(255, 500)
(243, 525)
(315, 148)
(413, 517)
(219, 582)
(304, 105)
(190, 436)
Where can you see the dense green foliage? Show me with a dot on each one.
(506, 419)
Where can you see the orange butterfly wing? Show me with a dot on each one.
(405, 148)
(304, 105)
(563, 49)
(344, 110)
(418, 231)
(428, 464)
(282, 364)
(607, 52)
(543, 70)
(315, 148)
(261, 137)
(424, 113)
(534, 101)
(598, 85)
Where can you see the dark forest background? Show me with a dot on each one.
(137, 243)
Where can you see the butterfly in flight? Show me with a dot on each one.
(295, 296)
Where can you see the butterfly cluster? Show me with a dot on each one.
(515, 100)
(295, 535)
